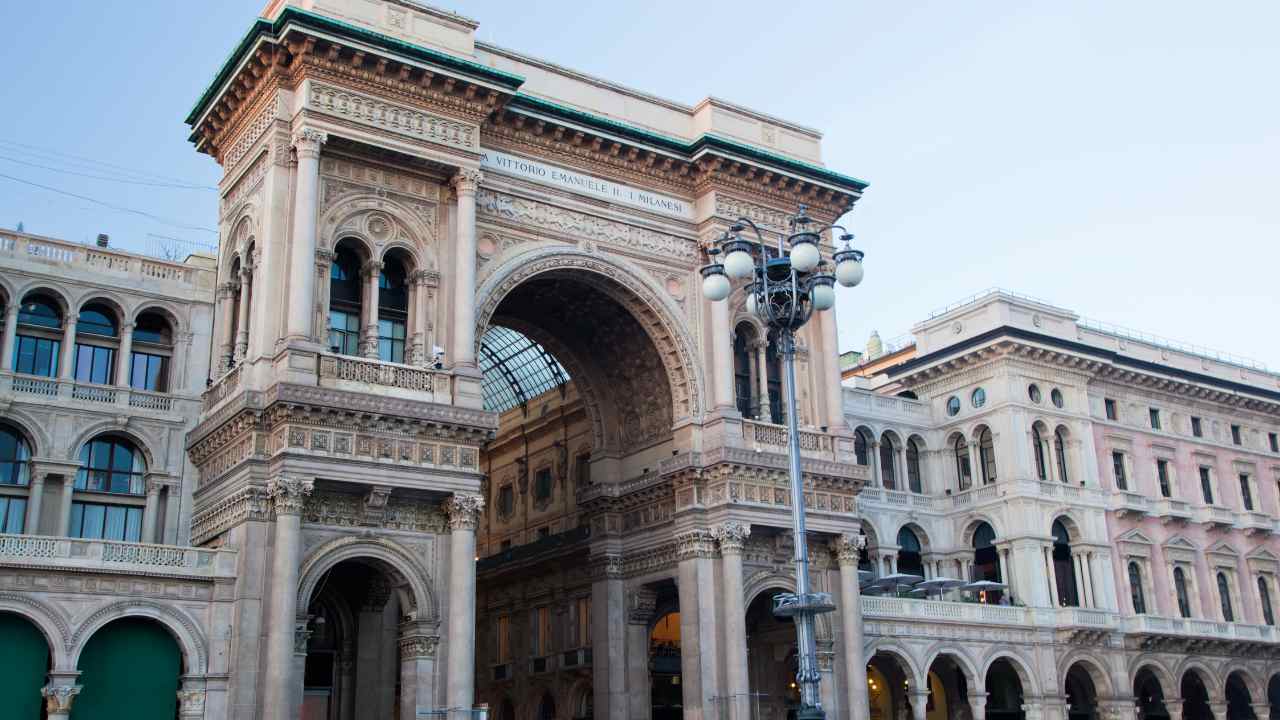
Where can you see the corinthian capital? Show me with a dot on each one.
(732, 535)
(463, 511)
(307, 142)
(58, 698)
(848, 546)
(289, 494)
(466, 181)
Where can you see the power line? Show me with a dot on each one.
(35, 150)
(117, 208)
(109, 179)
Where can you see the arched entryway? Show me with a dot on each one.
(889, 685)
(1195, 697)
(1081, 693)
(1273, 696)
(910, 552)
(1149, 695)
(132, 663)
(1239, 699)
(23, 665)
(666, 700)
(771, 659)
(1004, 692)
(949, 688)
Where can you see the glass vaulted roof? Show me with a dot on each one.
(516, 369)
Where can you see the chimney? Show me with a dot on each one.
(103, 239)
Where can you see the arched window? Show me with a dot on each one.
(1063, 570)
(15, 469)
(344, 302)
(744, 390)
(1180, 590)
(986, 559)
(861, 448)
(38, 341)
(1264, 596)
(1060, 453)
(1038, 449)
(913, 466)
(909, 558)
(393, 310)
(109, 466)
(1136, 593)
(96, 343)
(773, 381)
(987, 456)
(152, 350)
(1224, 596)
(887, 469)
(964, 473)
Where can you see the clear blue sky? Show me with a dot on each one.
(1121, 159)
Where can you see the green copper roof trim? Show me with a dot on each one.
(686, 148)
(263, 26)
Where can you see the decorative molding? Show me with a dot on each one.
(847, 547)
(466, 181)
(608, 566)
(695, 544)
(399, 119)
(244, 505)
(248, 138)
(419, 646)
(641, 604)
(307, 142)
(463, 511)
(289, 494)
(58, 698)
(731, 535)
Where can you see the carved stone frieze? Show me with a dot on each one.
(249, 503)
(346, 510)
(248, 137)
(696, 544)
(641, 604)
(392, 117)
(607, 566)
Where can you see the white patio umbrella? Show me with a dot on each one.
(941, 584)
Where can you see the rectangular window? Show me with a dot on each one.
(1235, 434)
(1155, 418)
(391, 341)
(36, 356)
(542, 484)
(540, 631)
(1206, 485)
(584, 470)
(1196, 428)
(1246, 492)
(506, 501)
(1162, 474)
(344, 333)
(106, 522)
(149, 372)
(1274, 439)
(584, 622)
(94, 364)
(1110, 406)
(13, 513)
(503, 631)
(1117, 469)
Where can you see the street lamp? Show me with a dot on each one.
(787, 285)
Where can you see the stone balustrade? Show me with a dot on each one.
(115, 557)
(139, 270)
(366, 375)
(40, 389)
(1195, 627)
(773, 438)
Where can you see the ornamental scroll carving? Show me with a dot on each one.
(847, 546)
(289, 494)
(395, 118)
(58, 698)
(695, 544)
(463, 511)
(732, 536)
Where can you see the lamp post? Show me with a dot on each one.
(787, 285)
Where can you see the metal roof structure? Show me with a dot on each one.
(516, 369)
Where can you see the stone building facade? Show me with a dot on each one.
(472, 441)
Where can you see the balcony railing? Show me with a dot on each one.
(1257, 523)
(340, 370)
(978, 613)
(1130, 503)
(974, 496)
(1194, 627)
(88, 393)
(110, 556)
(1214, 515)
(767, 436)
(1172, 509)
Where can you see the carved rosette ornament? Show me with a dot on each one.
(307, 142)
(732, 536)
(695, 544)
(463, 511)
(58, 698)
(466, 182)
(289, 494)
(847, 548)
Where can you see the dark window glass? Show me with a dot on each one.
(95, 364)
(953, 405)
(987, 456)
(1033, 392)
(1055, 395)
(393, 291)
(913, 467)
(149, 372)
(979, 398)
(41, 312)
(36, 356)
(964, 472)
(542, 484)
(1180, 589)
(1196, 428)
(1264, 595)
(506, 501)
(1274, 439)
(1235, 434)
(106, 522)
(151, 328)
(344, 332)
(1135, 590)
(1038, 452)
(909, 558)
(1162, 474)
(1155, 418)
(344, 277)
(111, 465)
(13, 514)
(1110, 406)
(861, 448)
(888, 471)
(773, 379)
(1224, 595)
(1060, 454)
(95, 320)
(742, 373)
(15, 458)
(391, 340)
(1117, 470)
(1206, 486)
(1246, 492)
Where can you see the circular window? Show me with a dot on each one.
(979, 397)
(1034, 393)
(953, 405)
(1056, 397)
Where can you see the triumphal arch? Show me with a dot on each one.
(473, 428)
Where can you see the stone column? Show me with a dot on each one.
(900, 468)
(424, 292)
(1005, 577)
(1219, 710)
(465, 184)
(371, 273)
(35, 497)
(978, 705)
(288, 495)
(846, 548)
(151, 510)
(873, 457)
(1077, 561)
(320, 323)
(919, 704)
(64, 504)
(59, 695)
(67, 368)
(464, 514)
(417, 668)
(699, 652)
(191, 699)
(226, 294)
(1174, 707)
(1262, 710)
(831, 361)
(125, 356)
(721, 356)
(639, 700)
(762, 378)
(608, 635)
(242, 322)
(732, 535)
(10, 334)
(302, 244)
(1054, 597)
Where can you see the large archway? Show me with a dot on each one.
(950, 683)
(890, 681)
(1005, 698)
(1081, 693)
(666, 698)
(133, 663)
(1239, 698)
(1149, 695)
(23, 665)
(1195, 697)
(771, 660)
